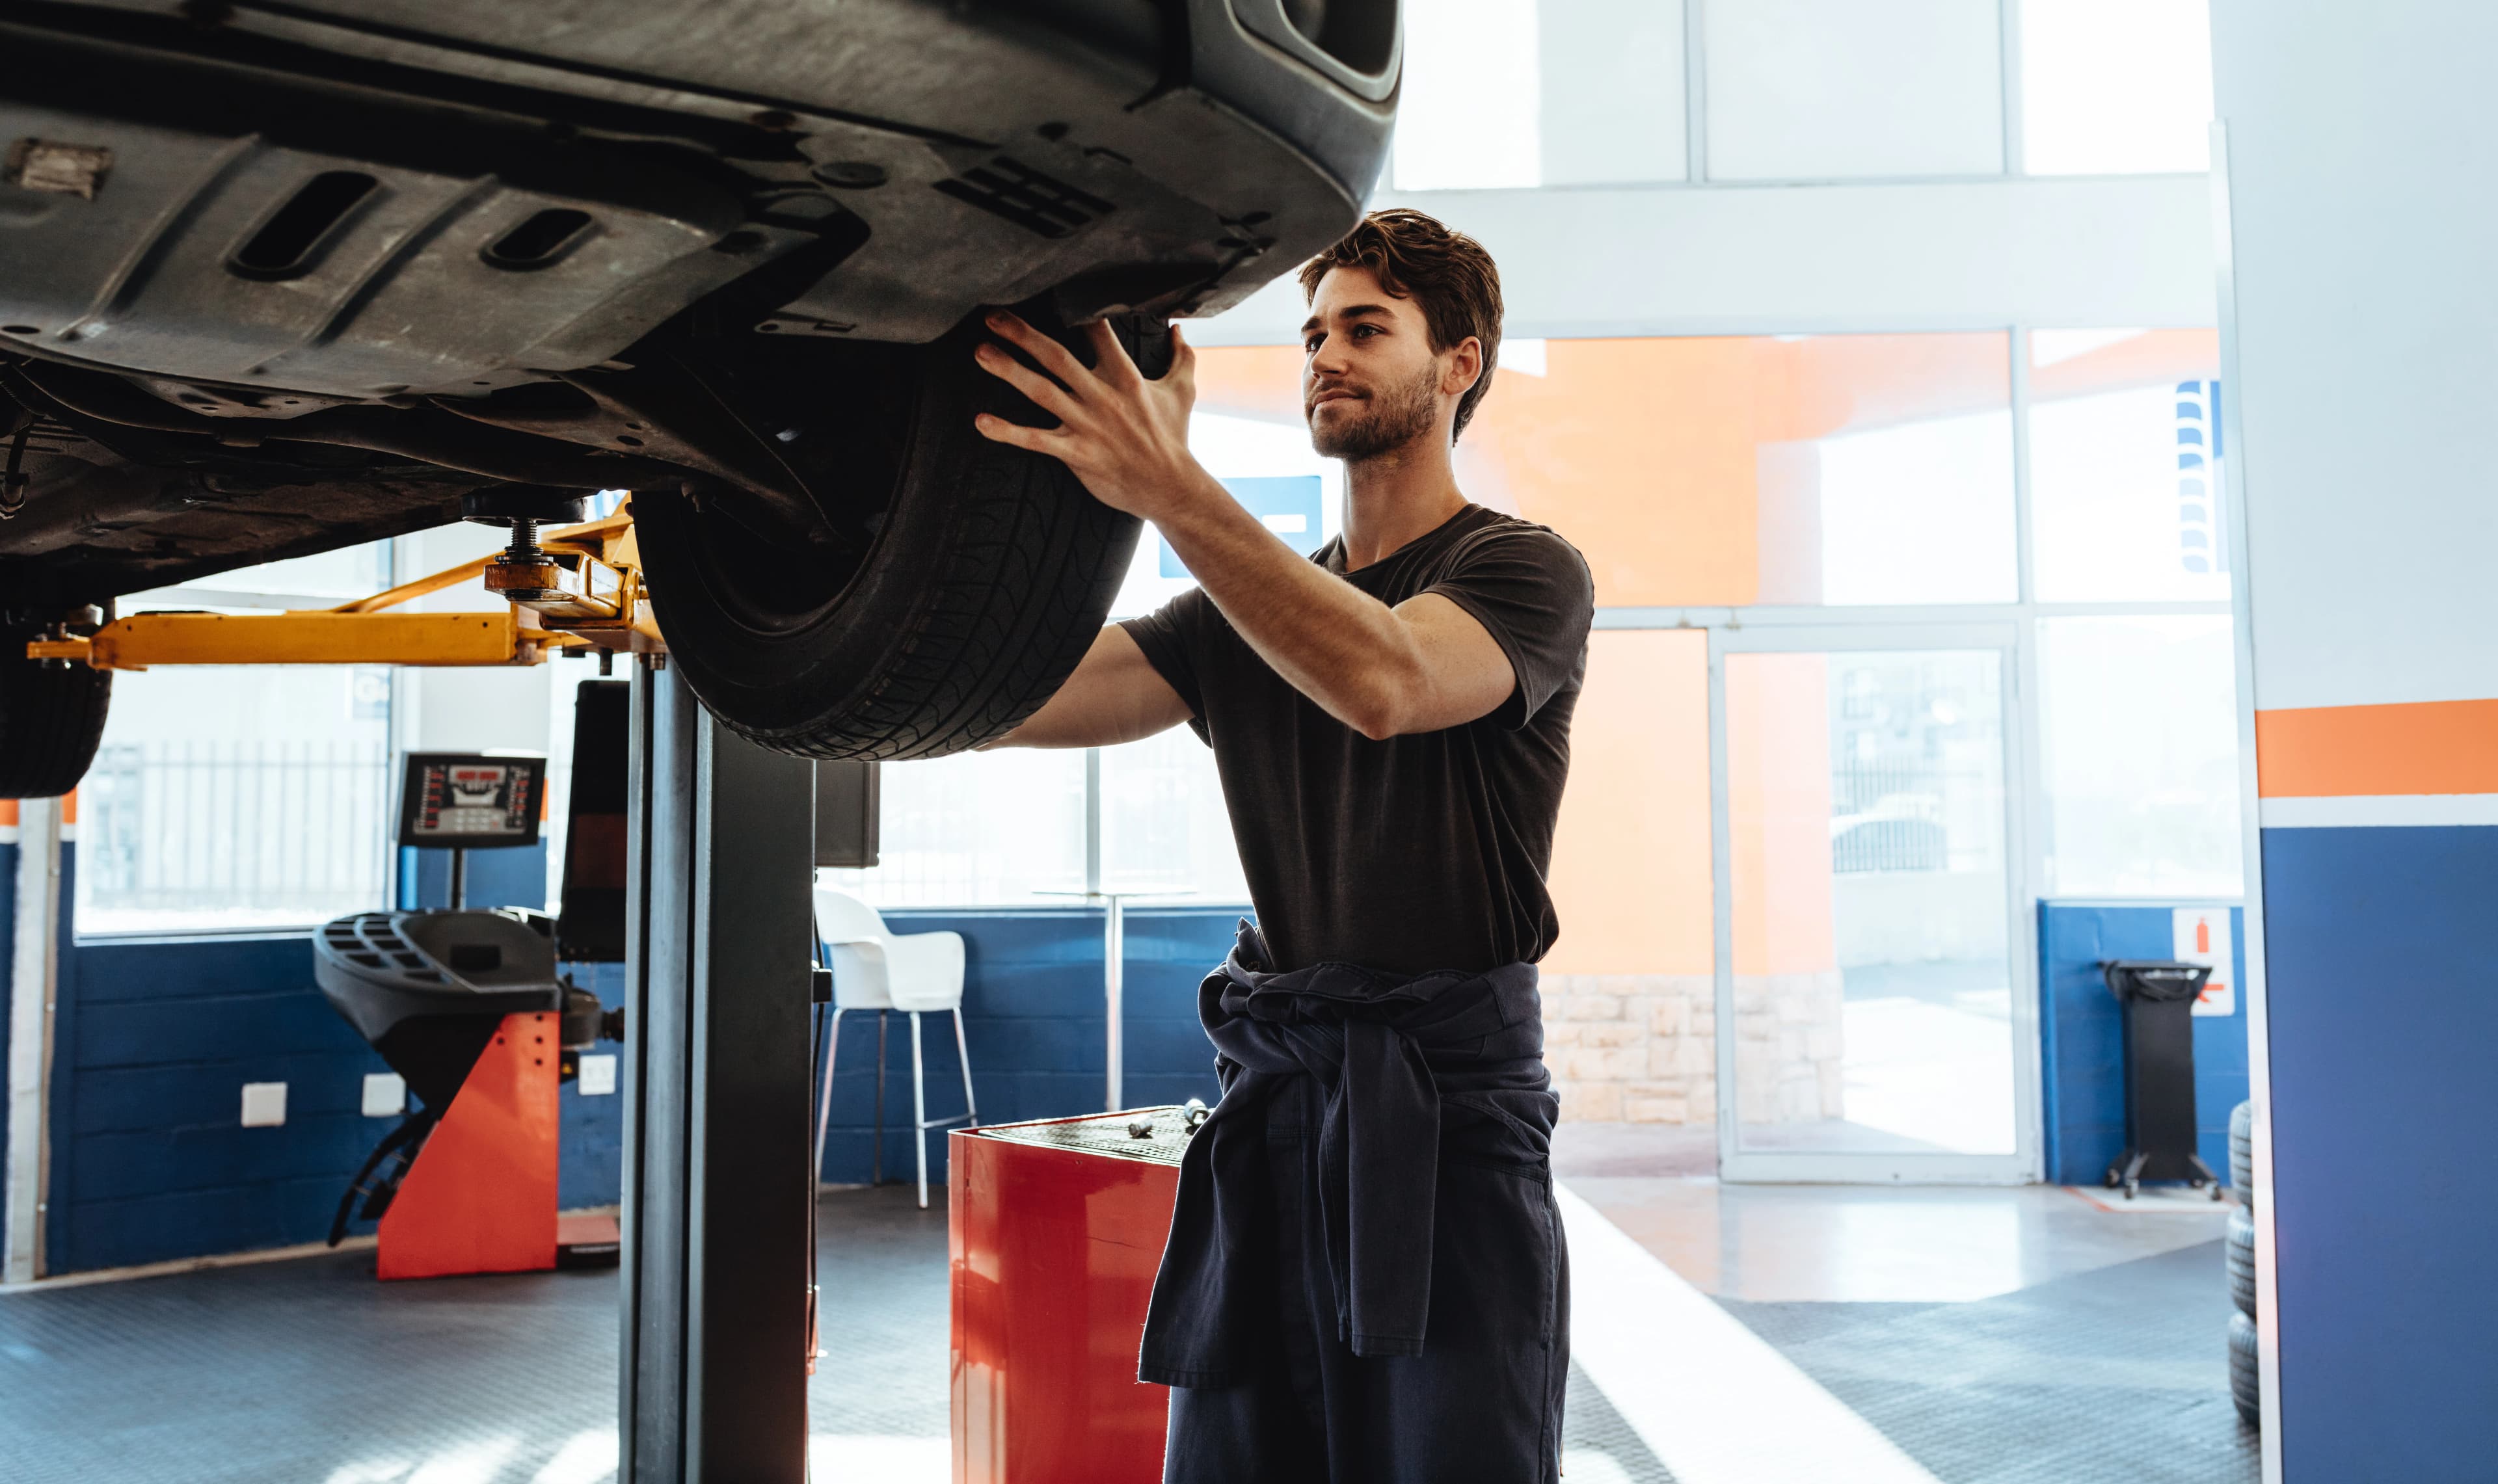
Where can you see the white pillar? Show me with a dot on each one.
(33, 973)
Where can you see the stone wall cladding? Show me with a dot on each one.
(1641, 1048)
(1632, 1047)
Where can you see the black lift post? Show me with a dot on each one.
(717, 1199)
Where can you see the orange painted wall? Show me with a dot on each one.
(1777, 782)
(1647, 453)
(1631, 860)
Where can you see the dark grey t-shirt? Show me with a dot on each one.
(1421, 852)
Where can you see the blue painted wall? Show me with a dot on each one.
(2381, 953)
(155, 1038)
(514, 877)
(2082, 1037)
(152, 1042)
(1031, 1019)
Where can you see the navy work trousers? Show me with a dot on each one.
(1482, 1403)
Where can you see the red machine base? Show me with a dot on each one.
(1054, 1252)
(481, 1197)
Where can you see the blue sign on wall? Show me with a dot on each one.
(1285, 504)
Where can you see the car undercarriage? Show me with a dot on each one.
(276, 279)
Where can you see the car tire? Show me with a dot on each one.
(2238, 1256)
(985, 573)
(52, 716)
(2245, 1389)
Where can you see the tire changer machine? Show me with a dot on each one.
(469, 1008)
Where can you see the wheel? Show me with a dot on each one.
(2238, 1256)
(52, 716)
(2115, 1178)
(2132, 1187)
(961, 585)
(2245, 1389)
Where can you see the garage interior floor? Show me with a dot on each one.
(1961, 1337)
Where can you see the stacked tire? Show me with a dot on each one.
(2239, 1257)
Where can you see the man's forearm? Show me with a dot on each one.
(1335, 644)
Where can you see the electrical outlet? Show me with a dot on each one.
(385, 1094)
(597, 1076)
(264, 1104)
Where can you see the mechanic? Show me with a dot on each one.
(1365, 1279)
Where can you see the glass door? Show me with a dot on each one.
(1872, 962)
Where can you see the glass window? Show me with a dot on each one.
(976, 828)
(1873, 977)
(986, 828)
(1468, 115)
(1163, 821)
(1261, 450)
(1831, 89)
(1918, 512)
(241, 796)
(2141, 750)
(2125, 467)
(1521, 93)
(1613, 96)
(2115, 87)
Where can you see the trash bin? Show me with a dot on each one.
(2159, 1000)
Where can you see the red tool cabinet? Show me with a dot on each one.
(1056, 1229)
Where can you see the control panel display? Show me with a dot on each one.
(470, 801)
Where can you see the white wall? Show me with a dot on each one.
(2361, 139)
(1736, 260)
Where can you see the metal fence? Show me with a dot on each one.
(243, 831)
(1901, 817)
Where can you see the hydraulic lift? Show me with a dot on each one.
(718, 1307)
(578, 587)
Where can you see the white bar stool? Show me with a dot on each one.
(873, 969)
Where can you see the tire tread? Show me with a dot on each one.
(51, 719)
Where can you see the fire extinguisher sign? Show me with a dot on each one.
(2203, 938)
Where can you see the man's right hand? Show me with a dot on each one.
(1114, 696)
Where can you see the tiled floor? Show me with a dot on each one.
(1996, 1337)
(2029, 1334)
(1851, 1243)
(310, 1370)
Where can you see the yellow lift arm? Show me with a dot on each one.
(577, 588)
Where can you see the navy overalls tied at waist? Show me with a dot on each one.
(1410, 1070)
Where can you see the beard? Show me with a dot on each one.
(1384, 423)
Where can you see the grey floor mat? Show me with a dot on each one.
(306, 1370)
(310, 1370)
(1597, 1446)
(2117, 1375)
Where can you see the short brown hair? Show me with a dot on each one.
(1446, 274)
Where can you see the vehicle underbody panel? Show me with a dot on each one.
(278, 277)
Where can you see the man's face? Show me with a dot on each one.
(1370, 382)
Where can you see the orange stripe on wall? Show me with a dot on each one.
(8, 813)
(2343, 751)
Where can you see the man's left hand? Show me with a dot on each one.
(1124, 436)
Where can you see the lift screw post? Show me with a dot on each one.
(523, 550)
